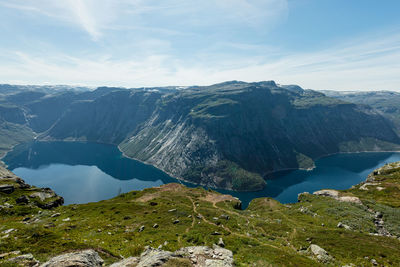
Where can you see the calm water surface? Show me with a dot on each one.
(87, 172)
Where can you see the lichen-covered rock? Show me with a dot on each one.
(85, 258)
(128, 262)
(336, 195)
(7, 188)
(24, 260)
(154, 257)
(202, 256)
(320, 253)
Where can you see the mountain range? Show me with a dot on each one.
(229, 135)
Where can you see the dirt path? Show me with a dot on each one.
(224, 227)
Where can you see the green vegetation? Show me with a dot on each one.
(304, 162)
(312, 98)
(229, 175)
(386, 102)
(266, 233)
(368, 144)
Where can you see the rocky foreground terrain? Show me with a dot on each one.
(177, 226)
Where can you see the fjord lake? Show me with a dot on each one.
(90, 172)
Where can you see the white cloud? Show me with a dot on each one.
(357, 65)
(97, 16)
(147, 58)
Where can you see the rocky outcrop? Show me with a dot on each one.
(24, 260)
(10, 184)
(85, 258)
(205, 256)
(128, 262)
(200, 256)
(7, 188)
(336, 195)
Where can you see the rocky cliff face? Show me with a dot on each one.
(386, 103)
(107, 119)
(213, 135)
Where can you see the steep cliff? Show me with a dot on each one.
(107, 119)
(230, 135)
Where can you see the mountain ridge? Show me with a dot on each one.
(228, 135)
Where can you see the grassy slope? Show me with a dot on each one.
(265, 233)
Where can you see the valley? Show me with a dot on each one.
(225, 136)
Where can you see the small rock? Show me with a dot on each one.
(9, 206)
(374, 262)
(66, 219)
(55, 215)
(215, 233)
(176, 221)
(49, 225)
(172, 210)
(8, 231)
(22, 200)
(155, 225)
(16, 252)
(221, 243)
(141, 228)
(24, 260)
(7, 188)
(224, 216)
(341, 225)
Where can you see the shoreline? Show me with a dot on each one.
(180, 180)
(193, 185)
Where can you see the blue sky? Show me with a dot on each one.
(319, 44)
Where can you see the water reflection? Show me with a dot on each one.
(85, 172)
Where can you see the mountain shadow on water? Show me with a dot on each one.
(107, 158)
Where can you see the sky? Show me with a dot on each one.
(317, 44)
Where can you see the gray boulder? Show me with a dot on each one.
(84, 258)
(24, 260)
(154, 257)
(128, 262)
(320, 253)
(7, 188)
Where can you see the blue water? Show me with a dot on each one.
(88, 172)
